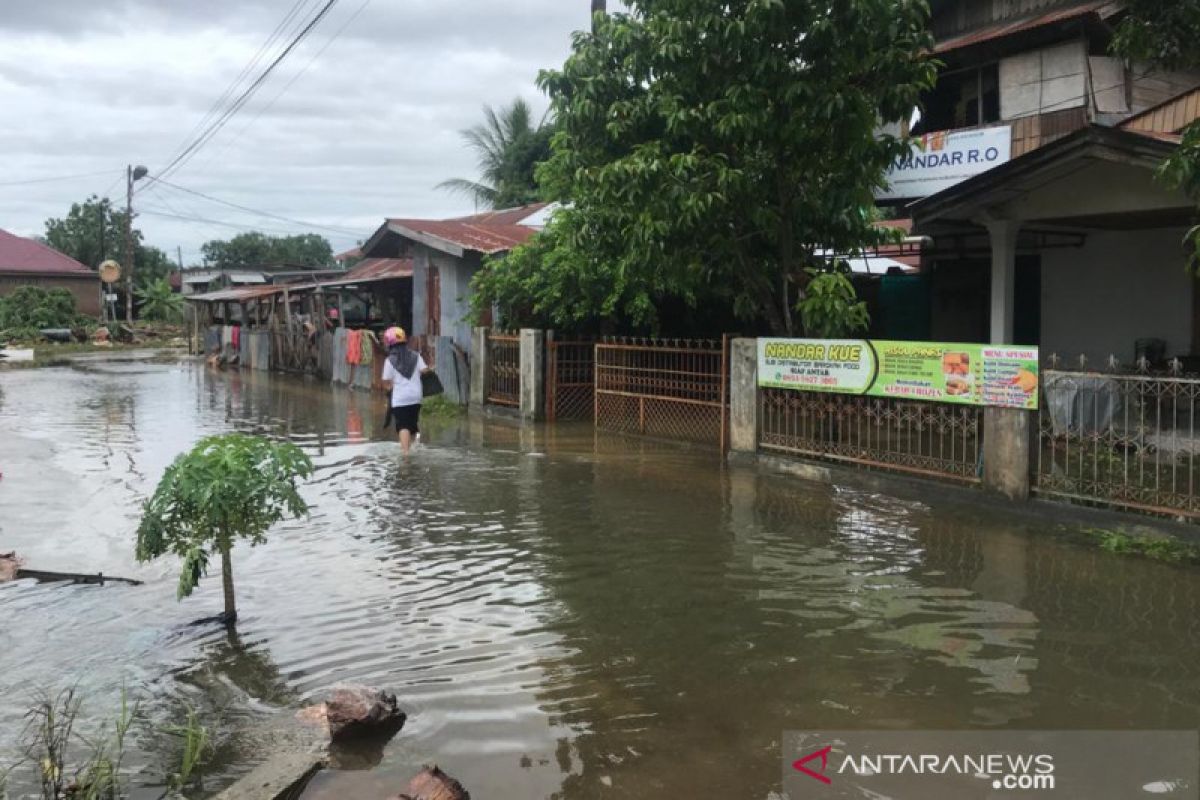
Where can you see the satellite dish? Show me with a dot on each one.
(110, 271)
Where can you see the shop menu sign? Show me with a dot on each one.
(968, 374)
(940, 160)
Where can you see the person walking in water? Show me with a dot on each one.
(402, 374)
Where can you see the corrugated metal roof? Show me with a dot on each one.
(1002, 29)
(18, 254)
(373, 270)
(241, 294)
(482, 238)
(247, 277)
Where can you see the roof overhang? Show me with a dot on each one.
(436, 242)
(1090, 174)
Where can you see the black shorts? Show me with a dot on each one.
(407, 418)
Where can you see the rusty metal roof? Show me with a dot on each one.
(243, 293)
(374, 269)
(466, 234)
(1100, 8)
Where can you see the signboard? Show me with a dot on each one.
(968, 374)
(941, 160)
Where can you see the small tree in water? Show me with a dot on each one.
(227, 487)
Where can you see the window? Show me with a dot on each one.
(962, 100)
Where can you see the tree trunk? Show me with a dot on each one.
(227, 583)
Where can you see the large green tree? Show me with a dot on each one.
(94, 230)
(709, 147)
(509, 144)
(1166, 34)
(254, 250)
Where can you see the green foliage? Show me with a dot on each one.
(254, 250)
(831, 308)
(94, 230)
(159, 302)
(226, 487)
(1157, 548)
(28, 309)
(50, 739)
(509, 146)
(711, 150)
(194, 745)
(1166, 34)
(438, 407)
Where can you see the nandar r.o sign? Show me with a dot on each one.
(941, 160)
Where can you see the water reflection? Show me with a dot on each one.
(563, 614)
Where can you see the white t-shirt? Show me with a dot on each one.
(405, 391)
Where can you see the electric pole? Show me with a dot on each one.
(132, 174)
(598, 7)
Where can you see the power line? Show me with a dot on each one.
(245, 96)
(289, 84)
(182, 218)
(256, 211)
(245, 71)
(58, 178)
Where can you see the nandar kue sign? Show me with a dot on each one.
(970, 374)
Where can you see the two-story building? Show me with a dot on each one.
(1036, 185)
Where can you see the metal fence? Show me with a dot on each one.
(1125, 440)
(504, 369)
(570, 379)
(675, 389)
(934, 439)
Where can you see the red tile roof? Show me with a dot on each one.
(489, 232)
(18, 254)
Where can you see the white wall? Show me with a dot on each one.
(1121, 286)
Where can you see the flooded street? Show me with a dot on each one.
(561, 615)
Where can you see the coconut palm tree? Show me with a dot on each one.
(508, 145)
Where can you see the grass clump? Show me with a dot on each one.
(438, 407)
(1158, 548)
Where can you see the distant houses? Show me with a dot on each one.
(27, 262)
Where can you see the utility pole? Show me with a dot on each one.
(598, 7)
(132, 174)
(179, 256)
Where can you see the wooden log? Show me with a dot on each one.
(99, 578)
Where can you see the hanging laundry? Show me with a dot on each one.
(369, 343)
(354, 347)
(235, 338)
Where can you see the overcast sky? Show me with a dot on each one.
(366, 131)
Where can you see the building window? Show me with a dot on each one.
(962, 100)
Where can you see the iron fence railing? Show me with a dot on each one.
(1125, 440)
(570, 379)
(670, 388)
(504, 369)
(935, 439)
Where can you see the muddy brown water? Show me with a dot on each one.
(562, 615)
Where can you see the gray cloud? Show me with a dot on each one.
(367, 130)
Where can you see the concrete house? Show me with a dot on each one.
(1035, 193)
(445, 255)
(26, 262)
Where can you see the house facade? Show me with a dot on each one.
(446, 255)
(27, 262)
(1035, 191)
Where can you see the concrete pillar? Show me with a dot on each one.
(1003, 237)
(743, 395)
(533, 374)
(479, 367)
(1007, 451)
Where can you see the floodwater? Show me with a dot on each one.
(561, 615)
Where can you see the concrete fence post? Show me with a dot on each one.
(1007, 451)
(479, 367)
(743, 396)
(533, 374)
